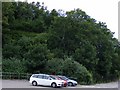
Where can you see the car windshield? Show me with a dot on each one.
(64, 78)
(53, 78)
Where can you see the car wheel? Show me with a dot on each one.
(70, 84)
(34, 83)
(65, 85)
(53, 85)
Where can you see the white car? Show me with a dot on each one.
(45, 80)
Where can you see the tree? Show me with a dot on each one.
(55, 65)
(36, 58)
(7, 14)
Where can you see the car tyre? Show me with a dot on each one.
(54, 85)
(70, 84)
(34, 83)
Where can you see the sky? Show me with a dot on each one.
(101, 10)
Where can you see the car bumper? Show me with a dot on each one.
(60, 85)
(65, 84)
(75, 84)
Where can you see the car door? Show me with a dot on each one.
(46, 81)
(40, 79)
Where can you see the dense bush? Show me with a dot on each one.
(13, 65)
(72, 68)
(55, 66)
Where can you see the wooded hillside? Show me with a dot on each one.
(36, 40)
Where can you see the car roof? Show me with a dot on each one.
(61, 76)
(40, 74)
(54, 76)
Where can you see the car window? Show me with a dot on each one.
(65, 78)
(53, 77)
(35, 76)
(57, 78)
(40, 76)
(45, 77)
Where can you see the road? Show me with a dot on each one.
(26, 84)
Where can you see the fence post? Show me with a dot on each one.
(10, 75)
(27, 76)
(18, 75)
(0, 75)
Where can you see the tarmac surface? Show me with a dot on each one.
(26, 84)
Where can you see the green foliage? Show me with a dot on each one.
(72, 68)
(55, 65)
(7, 14)
(86, 55)
(13, 65)
(36, 58)
(10, 50)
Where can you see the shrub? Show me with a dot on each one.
(13, 65)
(72, 68)
(55, 66)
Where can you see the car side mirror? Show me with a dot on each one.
(50, 79)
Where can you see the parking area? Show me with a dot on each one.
(26, 84)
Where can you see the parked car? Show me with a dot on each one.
(70, 82)
(65, 82)
(45, 80)
(72, 78)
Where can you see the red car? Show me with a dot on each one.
(65, 82)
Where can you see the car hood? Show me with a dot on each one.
(73, 81)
